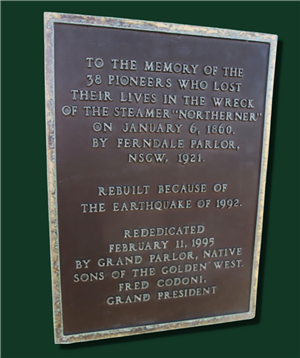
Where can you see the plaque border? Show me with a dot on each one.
(50, 19)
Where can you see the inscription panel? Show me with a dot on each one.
(157, 149)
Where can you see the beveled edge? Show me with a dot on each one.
(49, 20)
(263, 171)
(51, 17)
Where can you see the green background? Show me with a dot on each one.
(27, 327)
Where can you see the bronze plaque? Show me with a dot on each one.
(157, 140)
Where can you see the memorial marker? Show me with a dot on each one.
(157, 146)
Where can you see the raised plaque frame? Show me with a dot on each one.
(50, 20)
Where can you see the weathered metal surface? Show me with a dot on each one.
(155, 217)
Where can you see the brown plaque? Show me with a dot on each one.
(157, 146)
